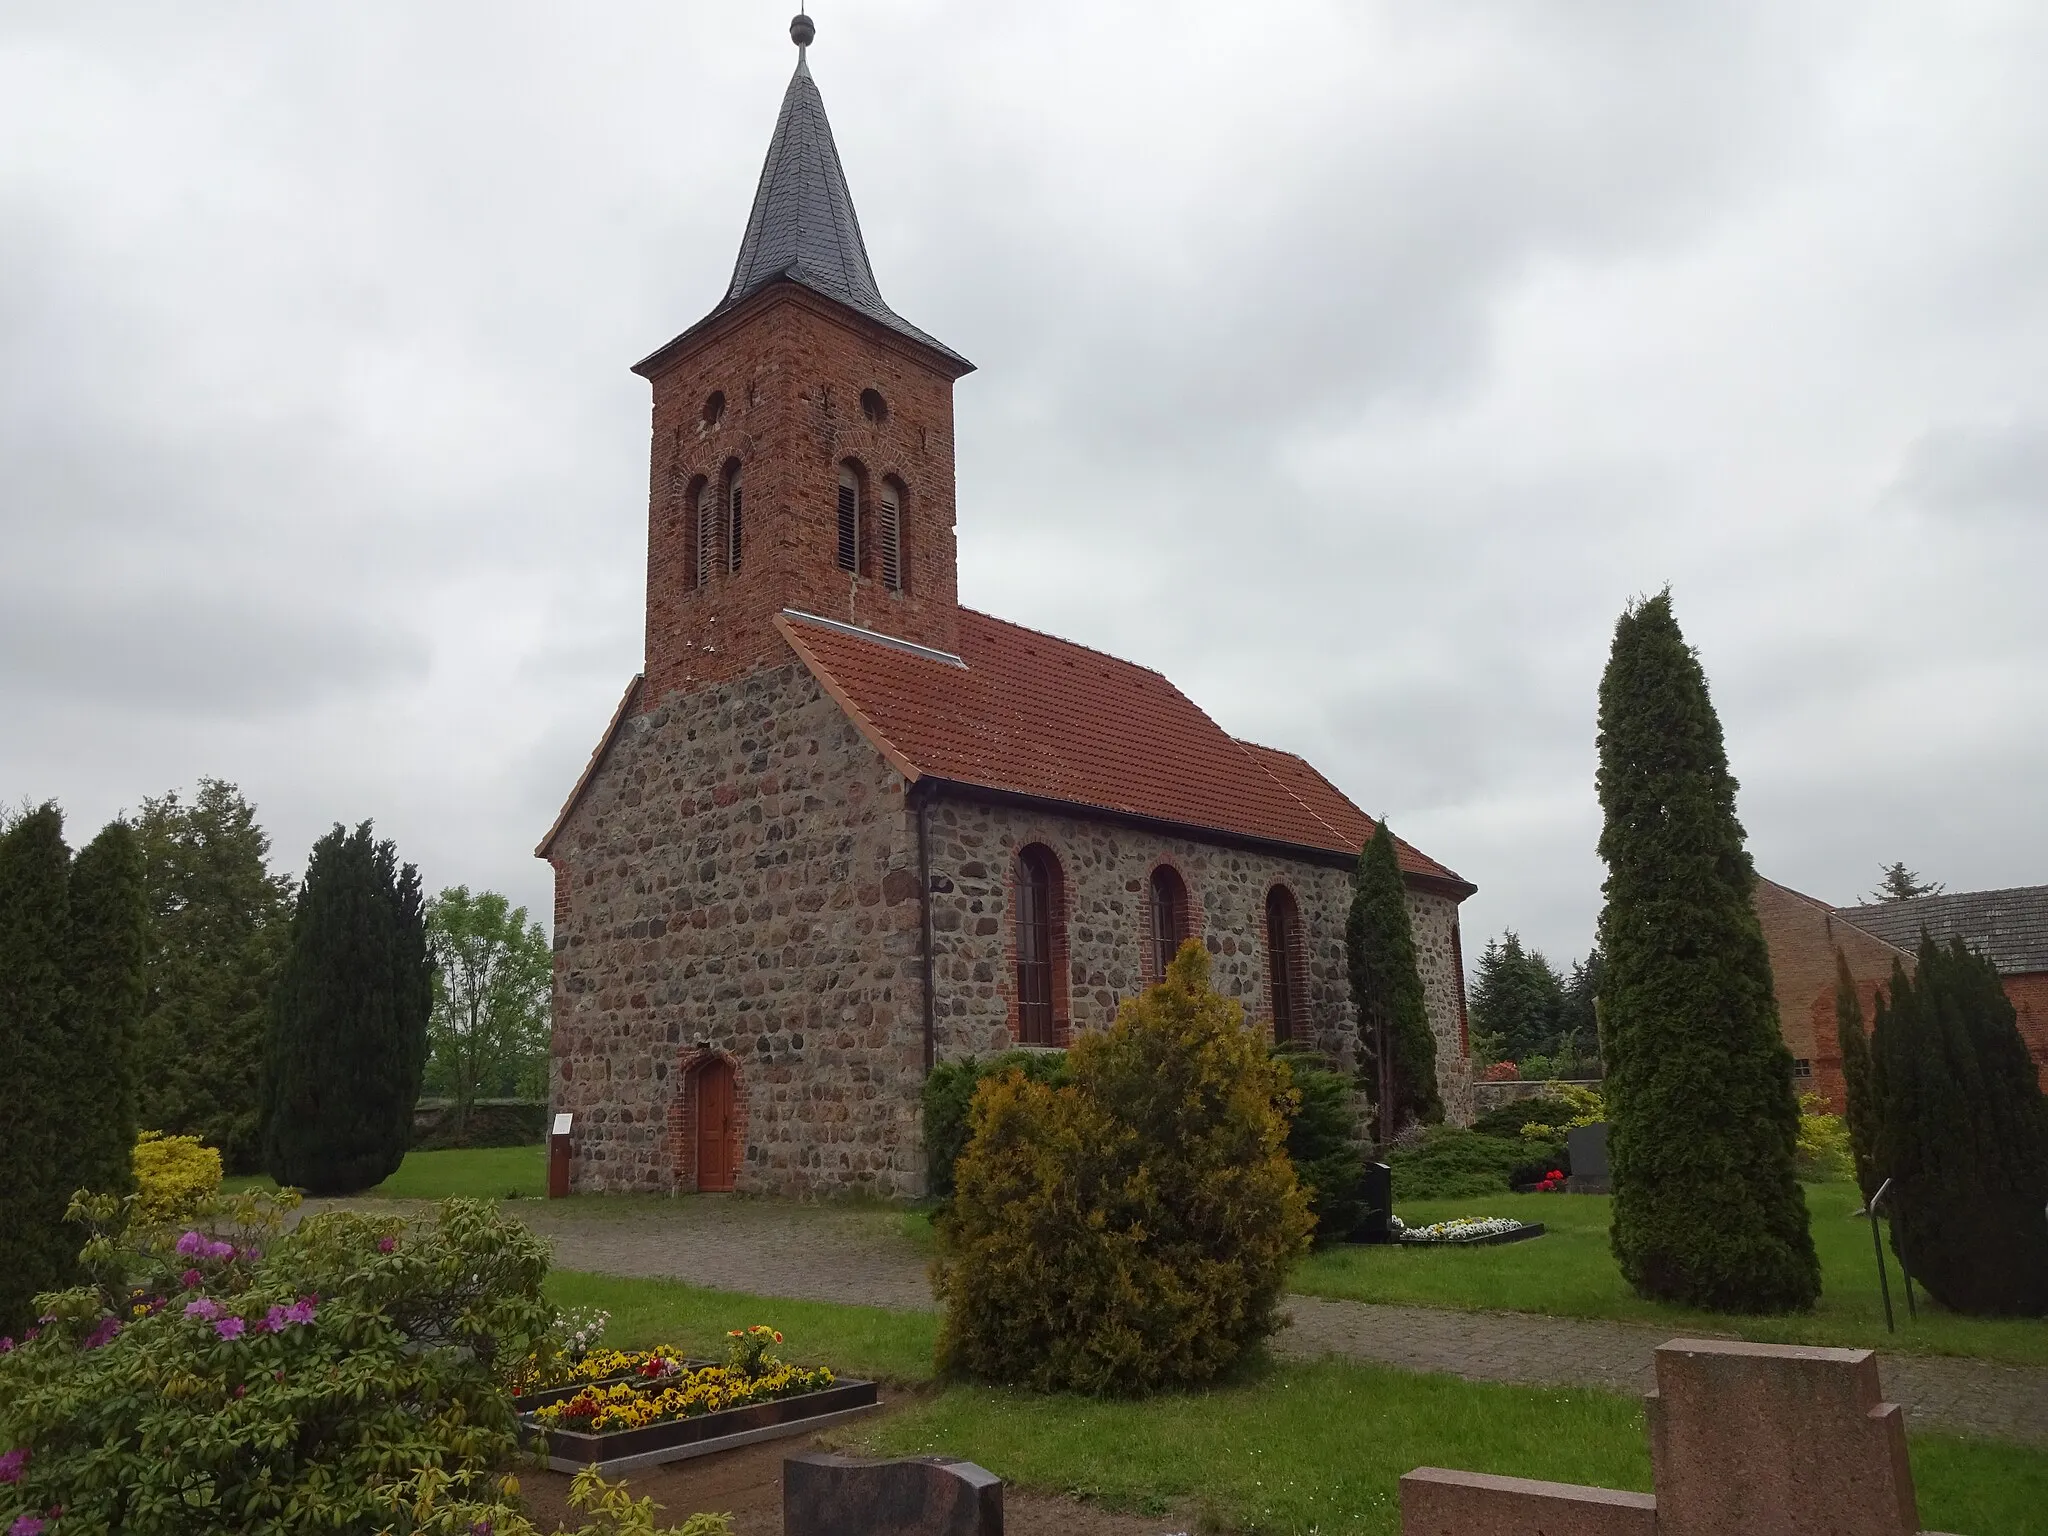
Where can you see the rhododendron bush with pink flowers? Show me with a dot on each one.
(346, 1375)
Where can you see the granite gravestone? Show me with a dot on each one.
(827, 1495)
(1586, 1148)
(1377, 1194)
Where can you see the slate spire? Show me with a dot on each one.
(803, 228)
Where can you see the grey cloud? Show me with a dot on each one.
(1351, 364)
(182, 653)
(1990, 477)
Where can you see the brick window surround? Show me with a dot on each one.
(1286, 973)
(1186, 918)
(1056, 924)
(682, 1116)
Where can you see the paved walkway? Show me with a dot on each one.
(864, 1257)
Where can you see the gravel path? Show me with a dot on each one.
(865, 1257)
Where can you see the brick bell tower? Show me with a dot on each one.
(803, 437)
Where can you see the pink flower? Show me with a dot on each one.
(241, 1390)
(192, 1244)
(191, 1279)
(230, 1327)
(386, 1244)
(12, 1463)
(103, 1334)
(205, 1308)
(220, 1250)
(27, 1525)
(6, 1346)
(301, 1311)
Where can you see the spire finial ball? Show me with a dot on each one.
(802, 30)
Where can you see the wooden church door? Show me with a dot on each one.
(714, 1126)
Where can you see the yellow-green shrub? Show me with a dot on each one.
(175, 1177)
(1131, 1229)
(1585, 1105)
(1824, 1152)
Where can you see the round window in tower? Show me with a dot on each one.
(714, 407)
(873, 406)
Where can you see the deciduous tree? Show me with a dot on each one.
(1707, 1207)
(218, 921)
(493, 979)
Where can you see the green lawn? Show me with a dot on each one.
(1292, 1448)
(490, 1173)
(861, 1341)
(1570, 1272)
(1321, 1448)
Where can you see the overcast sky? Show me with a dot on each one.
(1353, 364)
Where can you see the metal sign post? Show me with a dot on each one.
(1877, 1248)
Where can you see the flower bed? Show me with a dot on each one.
(1467, 1230)
(653, 1406)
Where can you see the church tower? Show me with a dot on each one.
(802, 451)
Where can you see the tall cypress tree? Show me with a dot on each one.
(37, 1253)
(108, 923)
(1386, 987)
(1962, 1132)
(347, 1040)
(1859, 1108)
(1707, 1209)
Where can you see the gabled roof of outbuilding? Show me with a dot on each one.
(1019, 713)
(2009, 926)
(803, 229)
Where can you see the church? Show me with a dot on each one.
(841, 828)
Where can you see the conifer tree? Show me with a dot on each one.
(1386, 987)
(1707, 1209)
(1962, 1133)
(37, 1253)
(347, 1039)
(103, 1016)
(1859, 1108)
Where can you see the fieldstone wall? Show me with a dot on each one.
(1435, 919)
(1103, 878)
(740, 880)
(740, 877)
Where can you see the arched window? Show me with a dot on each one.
(707, 532)
(735, 526)
(1283, 949)
(889, 535)
(1169, 918)
(849, 518)
(1035, 919)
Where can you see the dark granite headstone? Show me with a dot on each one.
(827, 1495)
(1587, 1147)
(1378, 1196)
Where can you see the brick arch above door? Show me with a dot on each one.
(694, 1143)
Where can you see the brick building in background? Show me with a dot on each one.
(841, 827)
(2010, 927)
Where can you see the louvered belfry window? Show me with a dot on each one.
(707, 531)
(1034, 948)
(890, 536)
(1169, 919)
(735, 527)
(1283, 942)
(849, 520)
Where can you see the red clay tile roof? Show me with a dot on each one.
(1024, 713)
